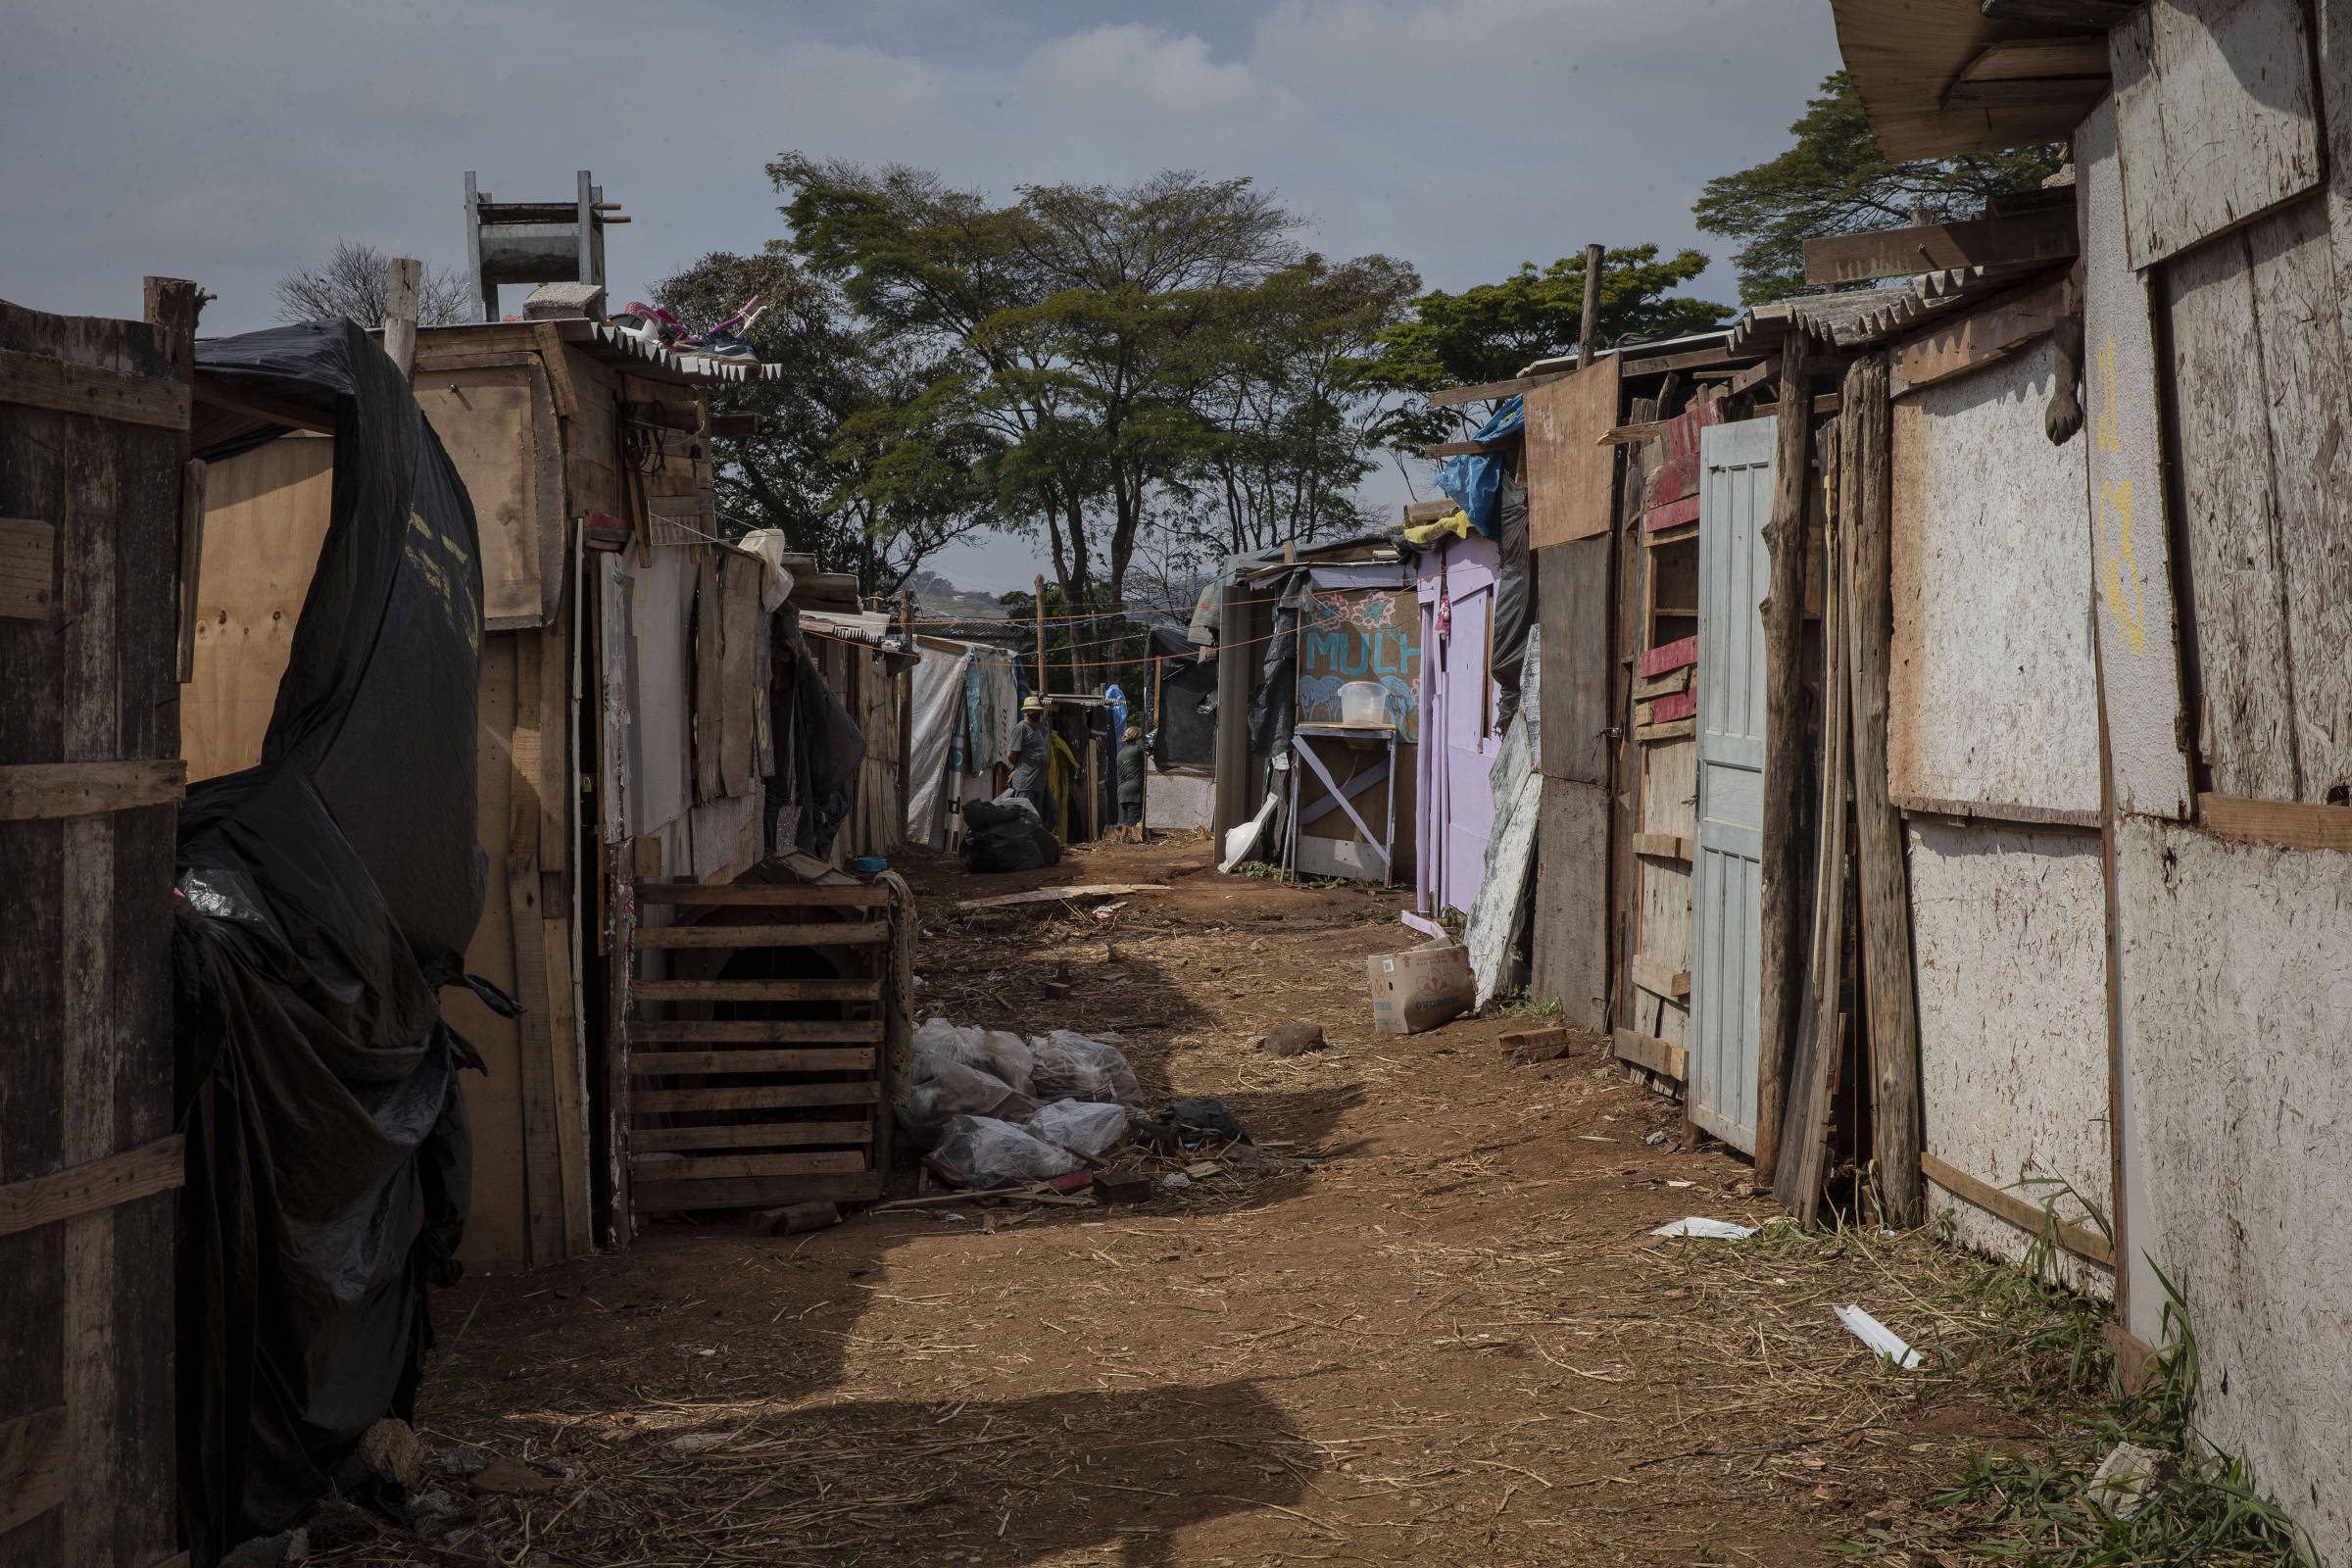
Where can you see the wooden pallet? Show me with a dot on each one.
(752, 1112)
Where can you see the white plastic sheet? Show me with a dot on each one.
(939, 690)
(1878, 1336)
(1495, 923)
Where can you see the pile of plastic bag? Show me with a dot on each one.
(996, 1110)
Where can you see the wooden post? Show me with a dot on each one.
(173, 304)
(906, 696)
(1781, 960)
(1885, 893)
(1234, 804)
(1041, 637)
(400, 312)
(1589, 327)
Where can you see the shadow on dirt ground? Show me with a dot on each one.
(1434, 1329)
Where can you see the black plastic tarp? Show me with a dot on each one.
(1184, 732)
(819, 747)
(327, 894)
(1514, 599)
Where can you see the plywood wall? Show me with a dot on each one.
(2009, 951)
(264, 518)
(1992, 696)
(2237, 1052)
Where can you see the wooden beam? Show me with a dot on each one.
(2031, 1218)
(1449, 397)
(1998, 811)
(41, 791)
(401, 279)
(150, 1168)
(2051, 92)
(2289, 824)
(1628, 435)
(758, 1097)
(1888, 984)
(1695, 360)
(823, 1162)
(662, 1063)
(1661, 1057)
(560, 388)
(1756, 375)
(754, 1031)
(2047, 236)
(261, 405)
(758, 990)
(2020, 57)
(1462, 448)
(194, 476)
(1420, 512)
(1662, 979)
(2091, 16)
(1666, 847)
(1781, 959)
(1589, 324)
(799, 934)
(37, 381)
(779, 893)
(752, 1135)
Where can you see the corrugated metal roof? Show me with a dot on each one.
(1860, 318)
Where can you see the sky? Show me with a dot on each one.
(229, 141)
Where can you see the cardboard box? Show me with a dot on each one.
(1419, 988)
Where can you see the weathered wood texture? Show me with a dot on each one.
(2215, 116)
(1570, 934)
(1570, 478)
(2238, 1160)
(266, 515)
(84, 976)
(2138, 648)
(2259, 382)
(1993, 695)
(2000, 328)
(1662, 886)
(497, 421)
(2009, 931)
(1781, 950)
(1886, 897)
(1938, 247)
(1573, 584)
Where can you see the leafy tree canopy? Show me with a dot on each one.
(1835, 181)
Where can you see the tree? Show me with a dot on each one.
(825, 469)
(1063, 337)
(352, 285)
(1490, 333)
(1835, 181)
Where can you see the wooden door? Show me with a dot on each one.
(94, 434)
(1469, 819)
(1735, 501)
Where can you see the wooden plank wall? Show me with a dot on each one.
(89, 680)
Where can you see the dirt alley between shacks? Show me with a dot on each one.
(1449, 1338)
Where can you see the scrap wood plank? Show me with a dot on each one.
(37, 791)
(1667, 732)
(753, 1135)
(1665, 846)
(1671, 515)
(754, 1031)
(754, 1191)
(36, 1456)
(758, 1097)
(1675, 680)
(792, 893)
(758, 990)
(1447, 397)
(798, 934)
(28, 568)
(2289, 824)
(1952, 347)
(1461, 449)
(813, 1163)
(1663, 979)
(2031, 1218)
(135, 1173)
(2048, 236)
(1672, 705)
(1629, 435)
(37, 381)
(1090, 890)
(1675, 655)
(1695, 360)
(659, 1063)
(1661, 1057)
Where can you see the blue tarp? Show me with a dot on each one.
(1475, 483)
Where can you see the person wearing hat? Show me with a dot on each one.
(1031, 756)
(1131, 787)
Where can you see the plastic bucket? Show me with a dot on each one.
(1363, 702)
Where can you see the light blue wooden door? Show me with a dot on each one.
(1727, 910)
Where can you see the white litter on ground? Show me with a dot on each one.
(1878, 1336)
(1713, 1230)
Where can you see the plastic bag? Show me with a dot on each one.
(988, 1152)
(997, 1051)
(1081, 1126)
(1070, 1066)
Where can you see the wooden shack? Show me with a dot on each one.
(94, 478)
(622, 706)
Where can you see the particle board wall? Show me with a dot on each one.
(264, 516)
(2259, 380)
(1571, 477)
(498, 425)
(1569, 956)
(1992, 694)
(2236, 1010)
(2009, 951)
(1572, 599)
(2139, 646)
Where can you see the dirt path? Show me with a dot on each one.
(1446, 1338)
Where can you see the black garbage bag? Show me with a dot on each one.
(1190, 1124)
(1006, 838)
(324, 896)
